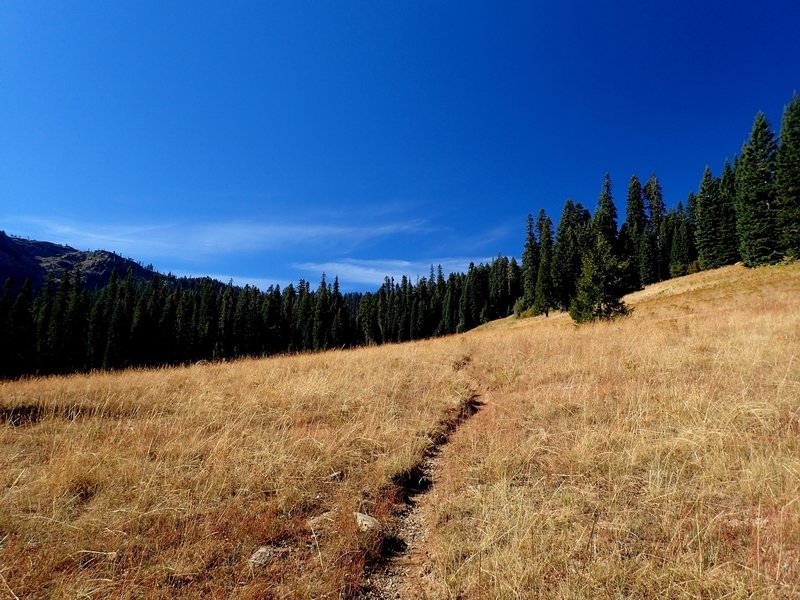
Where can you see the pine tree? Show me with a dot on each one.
(303, 318)
(368, 320)
(635, 215)
(514, 282)
(272, 316)
(543, 298)
(20, 333)
(208, 320)
(680, 251)
(99, 320)
(117, 347)
(660, 243)
(322, 317)
(530, 264)
(5, 345)
(755, 196)
(631, 233)
(605, 217)
(174, 321)
(708, 221)
(452, 297)
(43, 308)
(338, 335)
(466, 321)
(728, 240)
(77, 316)
(787, 179)
(599, 290)
(567, 254)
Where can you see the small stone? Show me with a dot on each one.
(261, 556)
(367, 523)
(321, 520)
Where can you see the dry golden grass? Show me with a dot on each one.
(654, 456)
(658, 455)
(162, 483)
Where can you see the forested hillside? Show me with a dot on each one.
(750, 212)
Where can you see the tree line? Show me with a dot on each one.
(65, 328)
(750, 212)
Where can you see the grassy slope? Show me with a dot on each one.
(163, 483)
(656, 455)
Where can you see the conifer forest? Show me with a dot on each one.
(749, 211)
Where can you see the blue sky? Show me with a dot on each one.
(269, 141)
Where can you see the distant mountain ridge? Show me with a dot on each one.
(22, 259)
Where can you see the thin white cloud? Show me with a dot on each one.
(198, 240)
(373, 272)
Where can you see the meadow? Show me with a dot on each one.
(657, 455)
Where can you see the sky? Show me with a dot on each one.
(270, 141)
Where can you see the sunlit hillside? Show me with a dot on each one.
(656, 455)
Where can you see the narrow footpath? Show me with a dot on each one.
(401, 575)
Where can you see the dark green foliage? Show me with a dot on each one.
(715, 220)
(658, 228)
(631, 233)
(20, 329)
(707, 220)
(654, 201)
(680, 243)
(635, 216)
(755, 197)
(544, 297)
(156, 322)
(728, 240)
(787, 180)
(567, 253)
(5, 309)
(530, 264)
(647, 257)
(605, 217)
(599, 290)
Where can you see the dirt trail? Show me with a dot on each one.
(401, 574)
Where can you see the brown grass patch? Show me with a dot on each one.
(653, 456)
(657, 455)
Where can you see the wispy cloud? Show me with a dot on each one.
(373, 271)
(200, 240)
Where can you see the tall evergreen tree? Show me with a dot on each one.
(605, 217)
(599, 291)
(530, 264)
(787, 179)
(5, 309)
(75, 333)
(680, 249)
(708, 214)
(755, 196)
(543, 298)
(728, 240)
(631, 233)
(660, 243)
(567, 253)
(43, 308)
(99, 320)
(117, 347)
(635, 215)
(20, 334)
